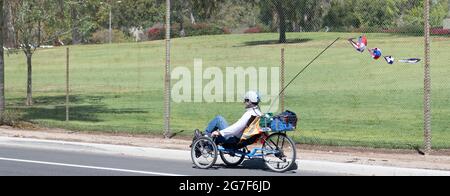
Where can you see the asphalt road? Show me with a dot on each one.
(22, 161)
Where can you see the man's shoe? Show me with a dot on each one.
(197, 134)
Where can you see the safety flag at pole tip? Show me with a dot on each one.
(376, 53)
(361, 45)
(410, 61)
(389, 59)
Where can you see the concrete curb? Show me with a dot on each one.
(365, 170)
(181, 155)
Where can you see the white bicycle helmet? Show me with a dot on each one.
(253, 97)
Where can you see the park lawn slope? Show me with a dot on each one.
(345, 98)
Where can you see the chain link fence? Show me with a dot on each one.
(220, 48)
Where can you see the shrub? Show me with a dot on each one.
(440, 31)
(407, 29)
(102, 36)
(203, 29)
(259, 29)
(366, 30)
(158, 33)
(226, 30)
(253, 30)
(14, 118)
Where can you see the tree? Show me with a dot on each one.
(341, 15)
(345, 14)
(180, 10)
(195, 10)
(276, 9)
(2, 61)
(379, 14)
(30, 18)
(306, 15)
(236, 13)
(413, 15)
(74, 18)
(292, 15)
(204, 9)
(81, 19)
(137, 13)
(280, 8)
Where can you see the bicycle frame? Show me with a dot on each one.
(254, 153)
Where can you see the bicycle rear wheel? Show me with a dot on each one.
(232, 160)
(279, 152)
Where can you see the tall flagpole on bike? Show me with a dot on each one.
(301, 71)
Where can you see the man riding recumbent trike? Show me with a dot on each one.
(232, 142)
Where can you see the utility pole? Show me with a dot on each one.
(167, 131)
(110, 5)
(427, 82)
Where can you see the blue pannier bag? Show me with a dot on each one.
(286, 121)
(278, 125)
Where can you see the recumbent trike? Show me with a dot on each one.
(278, 150)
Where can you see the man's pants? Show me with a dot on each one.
(217, 124)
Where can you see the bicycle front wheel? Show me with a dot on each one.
(204, 153)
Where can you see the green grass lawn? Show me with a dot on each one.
(345, 98)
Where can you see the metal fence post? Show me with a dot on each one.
(167, 131)
(427, 82)
(67, 84)
(2, 63)
(282, 79)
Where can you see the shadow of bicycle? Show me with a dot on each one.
(255, 164)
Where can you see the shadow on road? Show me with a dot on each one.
(255, 164)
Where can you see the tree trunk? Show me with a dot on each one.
(182, 31)
(282, 21)
(2, 63)
(9, 32)
(39, 34)
(295, 27)
(190, 6)
(192, 18)
(29, 101)
(76, 35)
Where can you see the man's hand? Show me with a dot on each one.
(215, 134)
